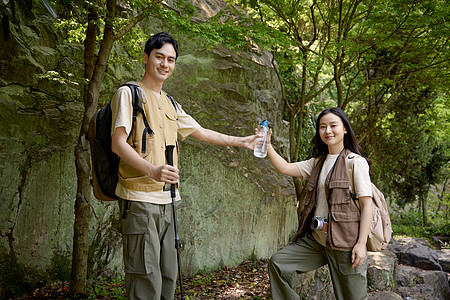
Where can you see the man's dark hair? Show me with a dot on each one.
(158, 40)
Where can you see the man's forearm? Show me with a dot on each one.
(132, 158)
(119, 145)
(213, 137)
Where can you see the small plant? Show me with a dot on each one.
(99, 289)
(444, 245)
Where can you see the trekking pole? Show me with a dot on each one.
(169, 157)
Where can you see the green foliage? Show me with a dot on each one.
(61, 77)
(408, 223)
(76, 32)
(101, 289)
(134, 41)
(230, 27)
(410, 145)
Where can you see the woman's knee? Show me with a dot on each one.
(274, 259)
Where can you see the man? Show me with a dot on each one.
(148, 232)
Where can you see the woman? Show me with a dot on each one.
(333, 227)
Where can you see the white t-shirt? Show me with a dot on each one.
(358, 170)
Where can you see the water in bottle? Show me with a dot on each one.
(261, 143)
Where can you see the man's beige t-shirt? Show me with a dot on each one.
(122, 114)
(361, 185)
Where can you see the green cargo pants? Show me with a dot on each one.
(306, 254)
(149, 253)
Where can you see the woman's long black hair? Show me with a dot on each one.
(350, 141)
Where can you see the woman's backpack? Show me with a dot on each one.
(381, 229)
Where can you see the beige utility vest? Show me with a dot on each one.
(344, 218)
(162, 119)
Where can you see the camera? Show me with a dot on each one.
(319, 223)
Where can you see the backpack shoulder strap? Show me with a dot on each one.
(350, 163)
(174, 103)
(136, 94)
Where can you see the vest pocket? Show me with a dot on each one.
(171, 115)
(341, 188)
(149, 142)
(344, 228)
(141, 183)
(171, 128)
(345, 216)
(340, 184)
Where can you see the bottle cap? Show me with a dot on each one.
(264, 123)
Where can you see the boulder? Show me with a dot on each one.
(316, 284)
(384, 295)
(422, 284)
(415, 252)
(380, 270)
(444, 259)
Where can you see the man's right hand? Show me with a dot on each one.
(166, 173)
(120, 146)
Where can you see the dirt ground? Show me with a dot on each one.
(249, 280)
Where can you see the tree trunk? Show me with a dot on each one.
(81, 223)
(94, 67)
(82, 201)
(441, 198)
(424, 211)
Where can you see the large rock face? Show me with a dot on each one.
(234, 205)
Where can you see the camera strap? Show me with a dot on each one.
(317, 181)
(324, 228)
(331, 175)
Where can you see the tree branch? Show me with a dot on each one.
(139, 18)
(283, 92)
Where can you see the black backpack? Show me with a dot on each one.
(105, 163)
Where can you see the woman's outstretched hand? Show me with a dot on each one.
(259, 135)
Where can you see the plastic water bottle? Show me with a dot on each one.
(261, 143)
